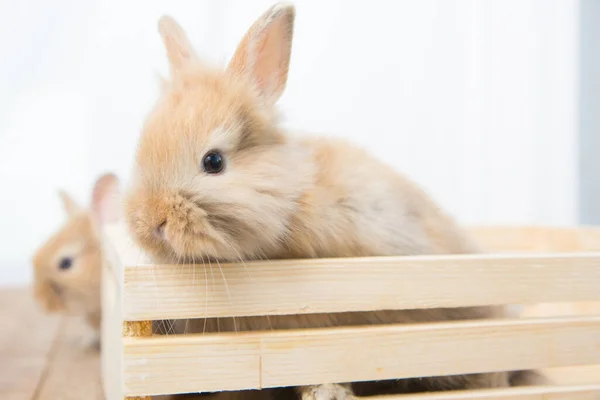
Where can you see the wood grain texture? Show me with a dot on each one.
(44, 356)
(137, 329)
(357, 284)
(112, 325)
(575, 392)
(74, 368)
(251, 360)
(27, 336)
(73, 373)
(303, 357)
(528, 239)
(537, 238)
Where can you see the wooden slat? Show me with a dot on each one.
(575, 375)
(503, 239)
(190, 363)
(112, 344)
(580, 392)
(357, 284)
(537, 238)
(20, 377)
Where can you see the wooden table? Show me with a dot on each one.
(45, 357)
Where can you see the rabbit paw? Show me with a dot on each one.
(328, 391)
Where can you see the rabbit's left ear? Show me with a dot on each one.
(264, 53)
(70, 205)
(106, 199)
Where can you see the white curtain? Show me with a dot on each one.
(476, 100)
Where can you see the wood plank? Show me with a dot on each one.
(74, 368)
(537, 238)
(582, 392)
(303, 357)
(357, 284)
(146, 360)
(20, 377)
(71, 367)
(22, 317)
(26, 340)
(112, 321)
(578, 375)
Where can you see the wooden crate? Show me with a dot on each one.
(555, 272)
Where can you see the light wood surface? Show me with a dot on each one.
(537, 238)
(29, 337)
(311, 286)
(44, 357)
(112, 321)
(304, 357)
(576, 392)
(256, 360)
(357, 284)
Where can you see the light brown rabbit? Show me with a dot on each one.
(218, 180)
(67, 266)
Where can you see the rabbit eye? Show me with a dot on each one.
(65, 263)
(213, 162)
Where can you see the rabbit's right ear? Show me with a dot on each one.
(179, 49)
(70, 205)
(106, 199)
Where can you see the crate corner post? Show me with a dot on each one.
(112, 316)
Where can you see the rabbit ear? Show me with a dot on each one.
(70, 205)
(264, 53)
(162, 81)
(179, 49)
(106, 199)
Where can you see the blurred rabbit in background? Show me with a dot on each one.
(67, 267)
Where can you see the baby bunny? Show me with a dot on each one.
(67, 266)
(218, 180)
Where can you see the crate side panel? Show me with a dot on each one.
(575, 392)
(357, 284)
(191, 363)
(112, 347)
(302, 357)
(430, 350)
(536, 238)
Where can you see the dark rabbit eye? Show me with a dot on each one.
(65, 263)
(213, 162)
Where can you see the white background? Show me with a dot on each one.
(476, 100)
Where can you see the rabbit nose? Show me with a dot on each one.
(55, 288)
(159, 231)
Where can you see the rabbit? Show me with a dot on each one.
(218, 180)
(67, 266)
